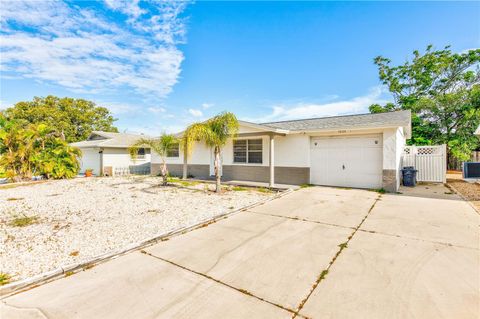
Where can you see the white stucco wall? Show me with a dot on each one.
(120, 157)
(393, 143)
(90, 159)
(292, 150)
(200, 155)
(390, 149)
(401, 142)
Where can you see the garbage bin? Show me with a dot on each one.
(409, 176)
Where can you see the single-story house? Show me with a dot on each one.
(106, 153)
(361, 151)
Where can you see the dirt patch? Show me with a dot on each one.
(470, 191)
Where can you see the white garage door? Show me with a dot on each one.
(90, 159)
(347, 161)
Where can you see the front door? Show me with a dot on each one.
(212, 162)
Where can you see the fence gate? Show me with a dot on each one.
(430, 161)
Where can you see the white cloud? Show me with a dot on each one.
(195, 112)
(356, 105)
(83, 51)
(156, 109)
(129, 7)
(118, 108)
(207, 105)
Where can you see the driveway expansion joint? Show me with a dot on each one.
(324, 272)
(243, 291)
(301, 219)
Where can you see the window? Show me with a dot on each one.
(248, 151)
(173, 151)
(141, 153)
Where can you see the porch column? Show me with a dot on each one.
(272, 161)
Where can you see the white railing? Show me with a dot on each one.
(430, 161)
(131, 170)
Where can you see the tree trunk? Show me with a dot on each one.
(164, 174)
(185, 163)
(217, 170)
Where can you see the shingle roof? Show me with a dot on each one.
(388, 119)
(110, 139)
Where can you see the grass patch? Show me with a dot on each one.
(323, 275)
(171, 179)
(69, 273)
(239, 188)
(15, 198)
(306, 185)
(343, 245)
(264, 190)
(24, 221)
(187, 183)
(379, 190)
(4, 278)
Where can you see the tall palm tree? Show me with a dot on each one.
(215, 133)
(159, 145)
(186, 144)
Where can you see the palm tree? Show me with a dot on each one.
(186, 144)
(159, 145)
(215, 133)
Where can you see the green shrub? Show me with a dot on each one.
(4, 278)
(24, 221)
(239, 189)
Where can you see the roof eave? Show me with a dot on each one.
(407, 129)
(264, 128)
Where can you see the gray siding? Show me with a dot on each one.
(198, 171)
(283, 175)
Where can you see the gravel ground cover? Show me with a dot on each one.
(48, 225)
(471, 191)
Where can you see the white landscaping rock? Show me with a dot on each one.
(93, 216)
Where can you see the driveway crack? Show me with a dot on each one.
(243, 291)
(324, 272)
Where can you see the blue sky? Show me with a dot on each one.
(161, 65)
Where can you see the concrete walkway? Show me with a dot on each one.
(318, 252)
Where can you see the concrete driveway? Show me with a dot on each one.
(318, 252)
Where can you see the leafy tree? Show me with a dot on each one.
(74, 118)
(53, 157)
(29, 149)
(159, 145)
(15, 150)
(441, 89)
(215, 133)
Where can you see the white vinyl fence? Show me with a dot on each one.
(430, 161)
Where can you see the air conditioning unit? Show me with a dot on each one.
(471, 170)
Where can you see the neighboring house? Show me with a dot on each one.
(362, 151)
(107, 154)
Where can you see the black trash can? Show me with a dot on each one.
(409, 176)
